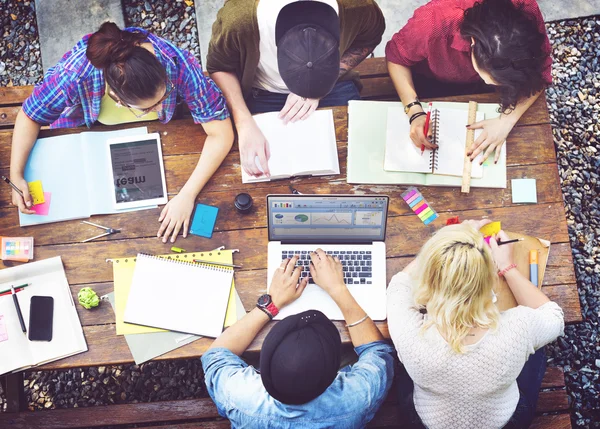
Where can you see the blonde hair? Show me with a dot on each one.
(455, 276)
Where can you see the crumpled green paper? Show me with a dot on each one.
(88, 298)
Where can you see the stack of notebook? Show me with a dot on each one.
(165, 302)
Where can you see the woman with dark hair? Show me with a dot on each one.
(452, 47)
(118, 76)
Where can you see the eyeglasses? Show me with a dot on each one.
(140, 113)
(500, 63)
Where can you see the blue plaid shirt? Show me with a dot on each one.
(70, 94)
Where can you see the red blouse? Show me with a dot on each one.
(430, 43)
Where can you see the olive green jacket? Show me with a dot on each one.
(235, 37)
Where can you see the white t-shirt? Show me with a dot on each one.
(267, 73)
(477, 389)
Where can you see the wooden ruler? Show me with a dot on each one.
(466, 178)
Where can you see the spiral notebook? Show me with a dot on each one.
(448, 132)
(179, 296)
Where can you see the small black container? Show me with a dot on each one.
(243, 202)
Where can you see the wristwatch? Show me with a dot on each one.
(409, 105)
(265, 303)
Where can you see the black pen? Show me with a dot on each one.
(500, 243)
(18, 307)
(12, 185)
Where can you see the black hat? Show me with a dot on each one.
(307, 34)
(300, 357)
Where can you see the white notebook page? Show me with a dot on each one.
(401, 154)
(451, 143)
(303, 147)
(178, 296)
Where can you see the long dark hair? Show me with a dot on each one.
(132, 72)
(509, 46)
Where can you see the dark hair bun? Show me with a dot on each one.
(110, 45)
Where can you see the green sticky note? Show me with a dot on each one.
(524, 191)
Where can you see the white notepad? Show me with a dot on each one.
(179, 296)
(303, 148)
(46, 278)
(448, 132)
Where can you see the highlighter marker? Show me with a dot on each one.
(533, 267)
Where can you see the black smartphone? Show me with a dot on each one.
(41, 314)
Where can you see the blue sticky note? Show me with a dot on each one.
(524, 191)
(203, 222)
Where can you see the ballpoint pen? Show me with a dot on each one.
(12, 185)
(18, 308)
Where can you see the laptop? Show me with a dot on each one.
(351, 227)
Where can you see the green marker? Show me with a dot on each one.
(177, 250)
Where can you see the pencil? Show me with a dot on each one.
(13, 185)
(217, 263)
(500, 243)
(16, 287)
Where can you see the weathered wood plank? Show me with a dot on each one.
(552, 400)
(251, 284)
(553, 378)
(121, 414)
(106, 348)
(442, 199)
(554, 421)
(405, 235)
(183, 137)
(372, 67)
(14, 94)
(8, 115)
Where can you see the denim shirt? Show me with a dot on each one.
(349, 402)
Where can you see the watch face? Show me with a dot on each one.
(264, 300)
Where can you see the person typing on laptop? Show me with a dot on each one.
(299, 383)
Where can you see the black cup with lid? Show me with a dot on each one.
(243, 202)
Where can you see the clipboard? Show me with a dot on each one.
(505, 297)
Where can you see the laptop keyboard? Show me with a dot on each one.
(357, 265)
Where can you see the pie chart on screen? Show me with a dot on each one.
(301, 218)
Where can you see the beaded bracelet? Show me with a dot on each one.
(415, 116)
(507, 269)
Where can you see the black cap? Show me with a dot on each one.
(307, 34)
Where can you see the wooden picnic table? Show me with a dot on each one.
(530, 154)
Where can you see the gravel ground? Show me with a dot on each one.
(574, 103)
(20, 61)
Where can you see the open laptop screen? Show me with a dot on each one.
(327, 219)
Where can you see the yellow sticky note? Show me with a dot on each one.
(37, 192)
(491, 229)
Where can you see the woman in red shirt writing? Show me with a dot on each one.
(451, 47)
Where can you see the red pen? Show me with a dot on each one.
(426, 130)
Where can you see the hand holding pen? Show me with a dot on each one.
(20, 194)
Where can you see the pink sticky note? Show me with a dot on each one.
(44, 208)
(3, 333)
